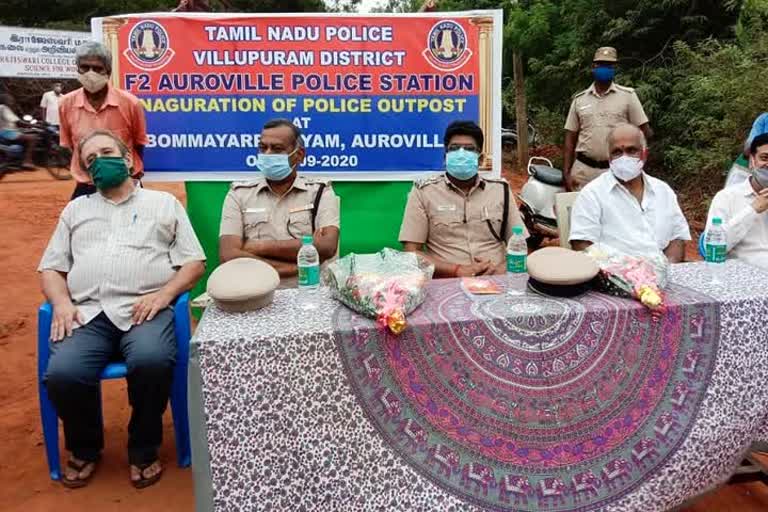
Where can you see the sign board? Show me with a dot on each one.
(39, 53)
(372, 94)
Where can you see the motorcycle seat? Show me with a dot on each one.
(548, 175)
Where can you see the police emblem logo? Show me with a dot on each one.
(148, 46)
(447, 47)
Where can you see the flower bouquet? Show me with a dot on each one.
(639, 277)
(386, 286)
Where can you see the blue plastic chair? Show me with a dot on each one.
(702, 248)
(117, 370)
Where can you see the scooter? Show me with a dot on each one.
(537, 200)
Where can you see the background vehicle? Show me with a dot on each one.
(48, 154)
(537, 200)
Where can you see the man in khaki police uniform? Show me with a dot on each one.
(461, 221)
(593, 113)
(266, 218)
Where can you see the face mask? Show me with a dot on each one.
(275, 167)
(626, 168)
(761, 175)
(462, 164)
(604, 73)
(108, 172)
(92, 81)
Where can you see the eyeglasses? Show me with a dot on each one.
(467, 147)
(84, 68)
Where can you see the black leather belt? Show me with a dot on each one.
(595, 164)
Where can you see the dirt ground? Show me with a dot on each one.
(29, 207)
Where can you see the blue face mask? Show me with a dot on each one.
(604, 73)
(462, 164)
(275, 167)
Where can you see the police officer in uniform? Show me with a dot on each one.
(461, 221)
(594, 112)
(267, 217)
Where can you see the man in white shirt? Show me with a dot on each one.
(49, 105)
(628, 209)
(742, 209)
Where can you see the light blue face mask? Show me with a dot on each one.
(462, 164)
(275, 167)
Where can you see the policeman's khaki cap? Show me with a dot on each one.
(606, 54)
(243, 284)
(561, 272)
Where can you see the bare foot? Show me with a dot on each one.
(141, 478)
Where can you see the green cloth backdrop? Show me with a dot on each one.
(371, 213)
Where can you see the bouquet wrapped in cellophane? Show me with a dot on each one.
(386, 286)
(639, 277)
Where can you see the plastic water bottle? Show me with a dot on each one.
(715, 245)
(517, 255)
(308, 262)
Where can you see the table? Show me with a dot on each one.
(517, 403)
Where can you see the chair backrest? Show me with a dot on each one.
(563, 206)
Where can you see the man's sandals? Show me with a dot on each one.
(81, 466)
(144, 470)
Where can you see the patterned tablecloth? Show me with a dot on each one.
(505, 403)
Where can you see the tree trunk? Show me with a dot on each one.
(521, 109)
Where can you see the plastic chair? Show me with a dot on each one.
(563, 206)
(117, 370)
(702, 248)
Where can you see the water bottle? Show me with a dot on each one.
(517, 254)
(308, 262)
(715, 245)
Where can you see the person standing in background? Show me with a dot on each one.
(49, 105)
(593, 114)
(100, 106)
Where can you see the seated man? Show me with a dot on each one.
(461, 221)
(740, 172)
(742, 209)
(116, 261)
(267, 217)
(628, 209)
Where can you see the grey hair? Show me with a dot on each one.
(276, 123)
(100, 133)
(94, 50)
(622, 126)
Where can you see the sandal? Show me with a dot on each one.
(143, 481)
(78, 482)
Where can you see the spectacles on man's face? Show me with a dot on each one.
(98, 68)
(468, 147)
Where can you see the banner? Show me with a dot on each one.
(39, 53)
(372, 95)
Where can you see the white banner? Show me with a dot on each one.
(39, 53)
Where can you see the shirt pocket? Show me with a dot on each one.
(255, 224)
(139, 234)
(300, 223)
(445, 225)
(493, 215)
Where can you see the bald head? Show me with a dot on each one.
(626, 139)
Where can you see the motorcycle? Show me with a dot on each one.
(48, 153)
(537, 200)
(509, 138)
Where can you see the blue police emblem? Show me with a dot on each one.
(447, 47)
(148, 46)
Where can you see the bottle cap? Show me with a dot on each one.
(517, 230)
(717, 221)
(306, 240)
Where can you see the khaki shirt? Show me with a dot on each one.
(113, 253)
(454, 226)
(593, 116)
(252, 211)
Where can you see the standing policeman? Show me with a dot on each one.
(460, 221)
(594, 112)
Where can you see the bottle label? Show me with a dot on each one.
(516, 263)
(309, 276)
(715, 253)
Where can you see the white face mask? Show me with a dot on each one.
(626, 168)
(92, 81)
